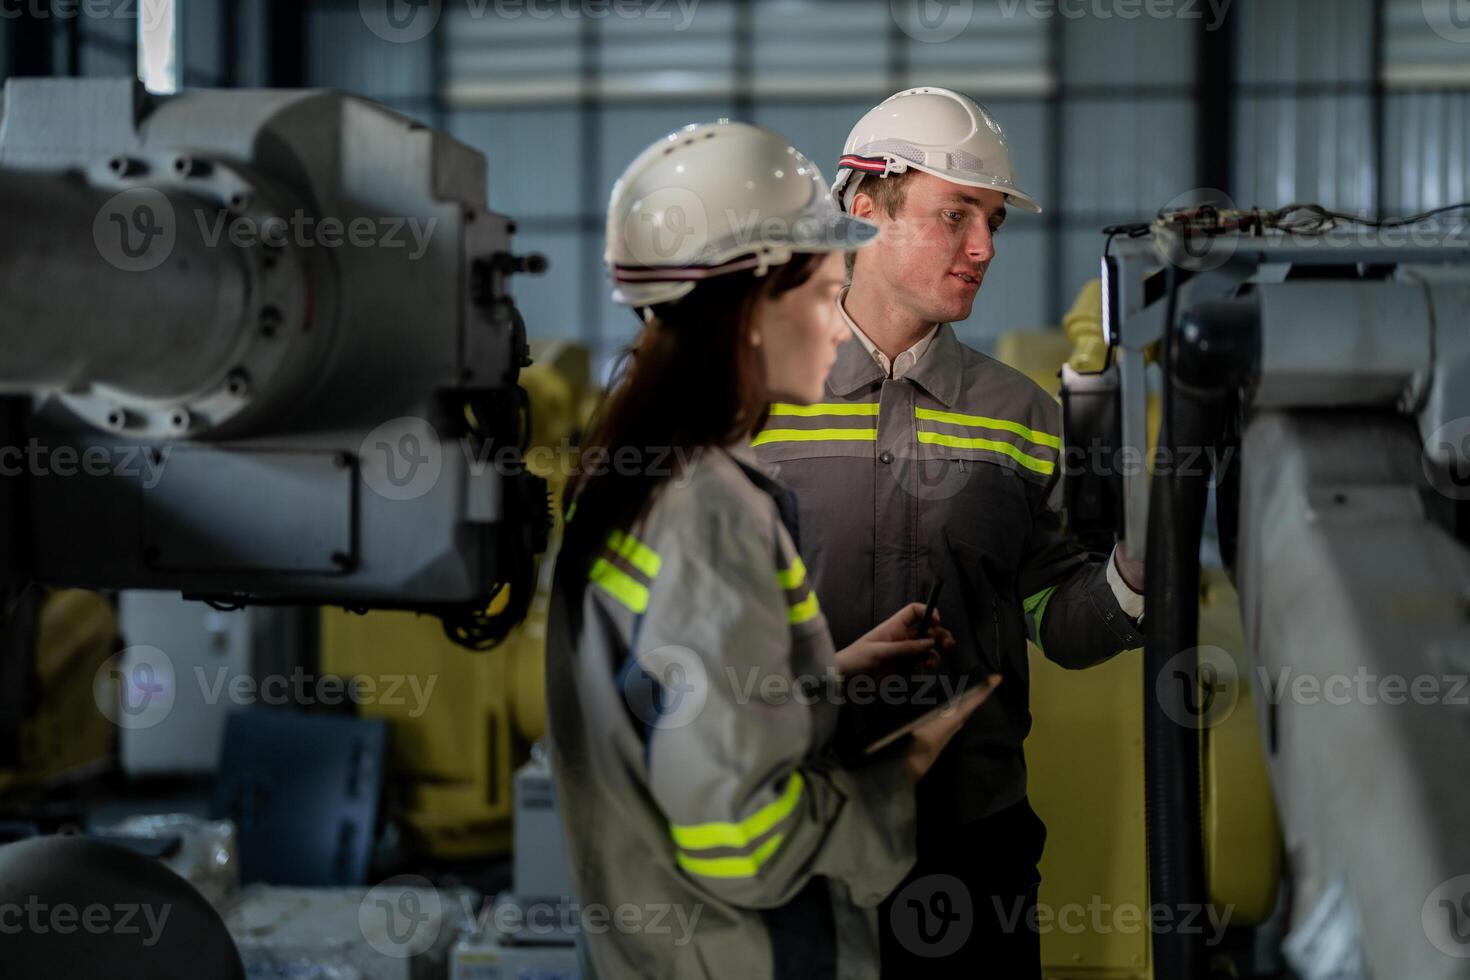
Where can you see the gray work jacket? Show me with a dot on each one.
(694, 783)
(951, 471)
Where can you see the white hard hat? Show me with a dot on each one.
(935, 130)
(715, 198)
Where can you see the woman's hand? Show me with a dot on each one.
(893, 638)
(930, 738)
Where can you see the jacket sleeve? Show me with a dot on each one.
(753, 811)
(1071, 611)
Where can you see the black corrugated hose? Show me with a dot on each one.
(1205, 362)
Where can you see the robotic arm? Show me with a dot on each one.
(259, 348)
(1325, 384)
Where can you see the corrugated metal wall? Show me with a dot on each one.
(1426, 113)
(1357, 104)
(1304, 109)
(806, 68)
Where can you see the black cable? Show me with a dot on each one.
(1174, 830)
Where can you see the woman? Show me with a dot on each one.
(689, 667)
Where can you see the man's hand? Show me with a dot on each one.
(895, 637)
(930, 738)
(1130, 569)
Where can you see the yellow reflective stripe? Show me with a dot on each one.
(620, 585)
(702, 836)
(958, 418)
(1043, 466)
(730, 867)
(1035, 608)
(815, 435)
(639, 555)
(791, 577)
(804, 611)
(825, 408)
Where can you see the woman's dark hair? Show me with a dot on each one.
(691, 381)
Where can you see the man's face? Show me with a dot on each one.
(932, 255)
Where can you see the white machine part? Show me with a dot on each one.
(260, 348)
(1341, 377)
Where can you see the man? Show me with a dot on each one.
(929, 460)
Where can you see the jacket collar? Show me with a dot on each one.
(855, 367)
(938, 371)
